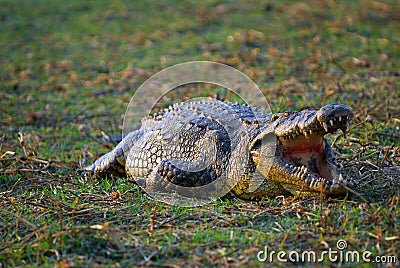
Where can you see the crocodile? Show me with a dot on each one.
(260, 154)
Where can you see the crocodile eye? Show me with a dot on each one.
(286, 114)
(275, 116)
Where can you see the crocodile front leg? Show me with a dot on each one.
(114, 161)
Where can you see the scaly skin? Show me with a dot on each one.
(193, 144)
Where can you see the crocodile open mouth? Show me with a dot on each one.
(306, 154)
(307, 147)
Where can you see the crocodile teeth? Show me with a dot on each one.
(340, 119)
(340, 180)
(325, 125)
(331, 122)
(348, 125)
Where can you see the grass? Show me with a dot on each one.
(70, 69)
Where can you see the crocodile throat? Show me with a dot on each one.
(308, 152)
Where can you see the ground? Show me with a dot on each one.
(69, 69)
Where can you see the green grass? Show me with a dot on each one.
(68, 71)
